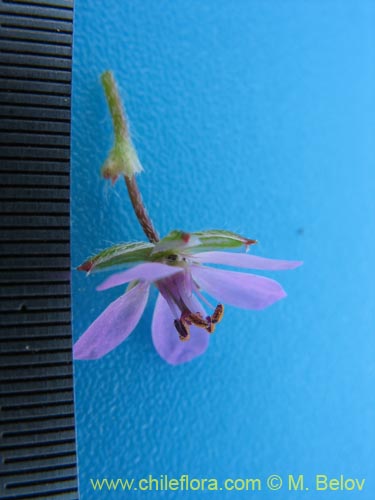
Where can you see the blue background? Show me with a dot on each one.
(256, 117)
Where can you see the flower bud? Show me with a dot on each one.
(123, 158)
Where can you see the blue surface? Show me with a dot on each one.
(256, 117)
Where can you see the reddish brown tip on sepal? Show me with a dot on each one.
(185, 237)
(249, 242)
(86, 266)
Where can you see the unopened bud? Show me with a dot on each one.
(123, 158)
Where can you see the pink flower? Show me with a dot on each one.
(180, 325)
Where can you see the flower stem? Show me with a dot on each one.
(123, 159)
(140, 209)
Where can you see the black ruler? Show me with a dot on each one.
(38, 457)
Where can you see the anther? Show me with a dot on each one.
(210, 326)
(195, 319)
(218, 314)
(183, 329)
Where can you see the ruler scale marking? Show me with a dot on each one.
(37, 420)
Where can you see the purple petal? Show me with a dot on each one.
(113, 326)
(238, 289)
(246, 260)
(150, 272)
(166, 339)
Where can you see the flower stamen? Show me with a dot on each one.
(195, 319)
(208, 323)
(210, 326)
(218, 314)
(215, 318)
(183, 329)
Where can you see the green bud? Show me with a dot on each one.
(123, 158)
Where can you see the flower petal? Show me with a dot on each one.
(238, 289)
(150, 272)
(246, 260)
(165, 336)
(113, 326)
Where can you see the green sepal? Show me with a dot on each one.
(174, 241)
(218, 239)
(123, 253)
(200, 241)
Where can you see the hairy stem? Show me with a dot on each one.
(140, 209)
